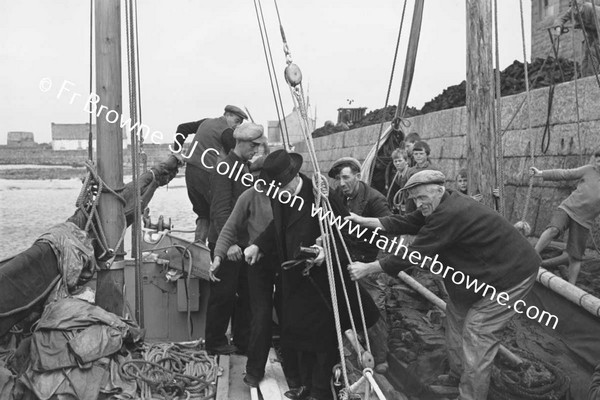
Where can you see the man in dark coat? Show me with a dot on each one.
(232, 278)
(211, 133)
(361, 199)
(456, 233)
(307, 325)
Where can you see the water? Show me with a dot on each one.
(29, 207)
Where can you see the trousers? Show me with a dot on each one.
(472, 342)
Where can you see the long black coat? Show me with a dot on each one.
(307, 320)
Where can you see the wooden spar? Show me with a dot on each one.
(570, 292)
(411, 56)
(480, 100)
(439, 303)
(109, 141)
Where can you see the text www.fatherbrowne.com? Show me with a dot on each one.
(396, 246)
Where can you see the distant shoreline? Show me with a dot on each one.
(42, 173)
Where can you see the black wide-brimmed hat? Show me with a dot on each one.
(281, 166)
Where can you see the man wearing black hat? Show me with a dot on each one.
(216, 133)
(232, 278)
(456, 233)
(307, 325)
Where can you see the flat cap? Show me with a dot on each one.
(340, 163)
(250, 132)
(237, 111)
(426, 177)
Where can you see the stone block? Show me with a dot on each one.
(589, 99)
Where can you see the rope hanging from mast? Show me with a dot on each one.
(293, 76)
(387, 96)
(285, 138)
(528, 97)
(498, 130)
(136, 149)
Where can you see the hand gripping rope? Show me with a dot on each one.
(293, 77)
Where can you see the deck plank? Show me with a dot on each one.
(274, 384)
(223, 380)
(237, 388)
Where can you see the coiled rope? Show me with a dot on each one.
(533, 380)
(173, 371)
(87, 201)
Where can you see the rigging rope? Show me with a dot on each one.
(272, 74)
(387, 96)
(90, 134)
(531, 145)
(576, 96)
(136, 143)
(498, 138)
(294, 80)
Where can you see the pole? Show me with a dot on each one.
(109, 137)
(441, 304)
(480, 100)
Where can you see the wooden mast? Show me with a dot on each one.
(480, 100)
(109, 139)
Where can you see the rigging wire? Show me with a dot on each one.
(90, 134)
(133, 81)
(387, 97)
(272, 75)
(528, 97)
(498, 137)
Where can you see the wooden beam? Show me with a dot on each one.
(223, 380)
(480, 100)
(109, 143)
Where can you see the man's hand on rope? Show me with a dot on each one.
(252, 254)
(214, 267)
(234, 253)
(533, 171)
(367, 222)
(321, 257)
(359, 270)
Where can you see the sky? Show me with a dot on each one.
(197, 56)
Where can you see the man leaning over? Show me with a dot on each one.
(471, 239)
(212, 133)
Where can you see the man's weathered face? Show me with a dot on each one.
(427, 198)
(400, 163)
(290, 188)
(233, 121)
(420, 156)
(348, 180)
(247, 149)
(461, 183)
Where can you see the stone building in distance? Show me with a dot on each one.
(20, 139)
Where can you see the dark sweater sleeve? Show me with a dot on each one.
(235, 223)
(227, 140)
(221, 203)
(428, 242)
(183, 131)
(408, 224)
(266, 240)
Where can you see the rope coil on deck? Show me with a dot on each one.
(533, 380)
(173, 371)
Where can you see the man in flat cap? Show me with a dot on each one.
(464, 241)
(232, 277)
(361, 199)
(307, 323)
(216, 133)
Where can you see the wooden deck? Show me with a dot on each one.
(230, 385)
